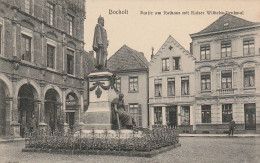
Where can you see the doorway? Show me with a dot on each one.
(26, 108)
(70, 119)
(250, 117)
(171, 116)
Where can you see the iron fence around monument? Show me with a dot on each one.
(148, 140)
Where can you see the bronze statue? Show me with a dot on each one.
(100, 44)
(122, 118)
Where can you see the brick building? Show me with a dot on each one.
(41, 69)
(171, 87)
(131, 68)
(227, 75)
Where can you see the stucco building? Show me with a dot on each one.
(131, 68)
(41, 69)
(227, 75)
(172, 87)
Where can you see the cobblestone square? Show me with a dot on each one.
(193, 149)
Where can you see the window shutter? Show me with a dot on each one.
(140, 115)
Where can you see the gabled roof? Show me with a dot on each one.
(169, 40)
(126, 59)
(226, 22)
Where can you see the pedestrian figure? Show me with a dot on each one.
(232, 126)
(33, 124)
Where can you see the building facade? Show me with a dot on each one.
(131, 69)
(41, 69)
(227, 75)
(171, 87)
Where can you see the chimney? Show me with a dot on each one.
(152, 53)
(191, 49)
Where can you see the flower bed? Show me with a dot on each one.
(150, 140)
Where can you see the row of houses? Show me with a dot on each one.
(199, 91)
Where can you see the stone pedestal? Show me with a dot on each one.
(101, 93)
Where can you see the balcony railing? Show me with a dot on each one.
(226, 91)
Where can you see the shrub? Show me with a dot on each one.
(151, 139)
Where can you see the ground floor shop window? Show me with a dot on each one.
(185, 115)
(206, 114)
(158, 115)
(226, 113)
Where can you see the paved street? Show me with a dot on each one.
(195, 149)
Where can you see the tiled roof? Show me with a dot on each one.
(126, 59)
(227, 22)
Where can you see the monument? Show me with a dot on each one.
(105, 110)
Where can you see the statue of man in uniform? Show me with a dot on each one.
(100, 44)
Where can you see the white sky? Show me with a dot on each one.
(141, 32)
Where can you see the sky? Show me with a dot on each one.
(142, 32)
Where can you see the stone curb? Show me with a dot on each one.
(11, 140)
(221, 136)
(100, 152)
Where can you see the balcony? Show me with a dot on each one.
(227, 91)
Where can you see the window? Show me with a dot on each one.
(50, 56)
(70, 24)
(206, 114)
(157, 115)
(185, 115)
(171, 86)
(27, 6)
(226, 112)
(249, 77)
(226, 49)
(158, 87)
(50, 13)
(133, 84)
(205, 81)
(176, 63)
(26, 48)
(135, 112)
(165, 64)
(249, 47)
(185, 86)
(118, 84)
(226, 79)
(205, 52)
(70, 62)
